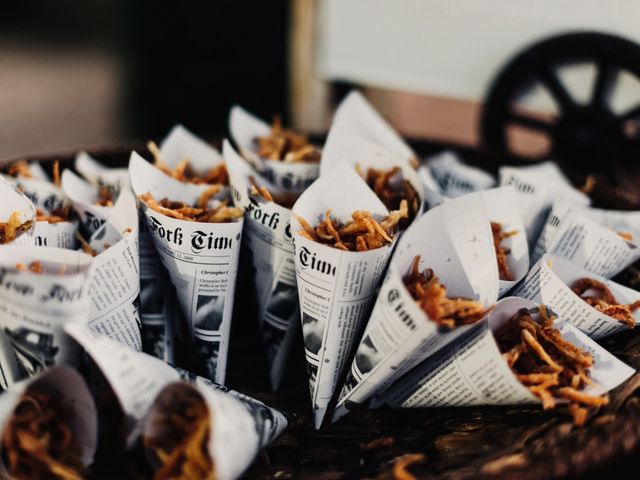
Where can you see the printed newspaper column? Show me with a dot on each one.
(58, 229)
(399, 334)
(41, 288)
(68, 423)
(290, 176)
(137, 378)
(336, 288)
(87, 202)
(365, 156)
(474, 372)
(267, 236)
(537, 188)
(202, 261)
(571, 234)
(502, 212)
(14, 201)
(446, 176)
(114, 285)
(550, 281)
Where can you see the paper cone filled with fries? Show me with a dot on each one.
(267, 241)
(343, 237)
(197, 236)
(437, 287)
(522, 354)
(92, 203)
(17, 216)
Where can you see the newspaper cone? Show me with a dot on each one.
(202, 261)
(47, 197)
(114, 285)
(572, 235)
(13, 200)
(180, 143)
(537, 188)
(232, 439)
(473, 372)
(399, 334)
(620, 221)
(33, 171)
(267, 237)
(66, 384)
(137, 378)
(33, 307)
(293, 177)
(336, 288)
(446, 176)
(115, 179)
(85, 197)
(549, 281)
(356, 115)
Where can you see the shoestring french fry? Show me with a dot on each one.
(62, 214)
(20, 168)
(501, 252)
(286, 145)
(431, 296)
(105, 197)
(180, 447)
(38, 441)
(286, 200)
(56, 173)
(362, 233)
(183, 171)
(627, 236)
(549, 366)
(600, 297)
(204, 214)
(10, 229)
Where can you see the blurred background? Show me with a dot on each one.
(75, 73)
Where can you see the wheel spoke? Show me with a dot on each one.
(557, 90)
(530, 122)
(603, 84)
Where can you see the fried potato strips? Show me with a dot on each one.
(391, 189)
(501, 252)
(62, 214)
(603, 300)
(20, 168)
(431, 297)
(401, 464)
(86, 248)
(10, 229)
(626, 236)
(105, 197)
(37, 441)
(203, 214)
(362, 233)
(286, 145)
(286, 200)
(548, 365)
(183, 172)
(183, 430)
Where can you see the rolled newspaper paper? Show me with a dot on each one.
(136, 378)
(114, 179)
(336, 287)
(114, 284)
(389, 175)
(56, 412)
(355, 114)
(552, 281)
(621, 221)
(538, 187)
(399, 333)
(202, 261)
(54, 225)
(25, 169)
(17, 216)
(267, 238)
(473, 371)
(92, 203)
(42, 288)
(571, 234)
(446, 176)
(293, 176)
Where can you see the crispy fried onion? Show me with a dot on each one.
(626, 236)
(286, 145)
(362, 233)
(504, 270)
(391, 189)
(183, 172)
(62, 214)
(401, 464)
(20, 168)
(598, 295)
(86, 248)
(286, 200)
(549, 366)
(105, 197)
(10, 229)
(431, 297)
(37, 441)
(183, 427)
(200, 213)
